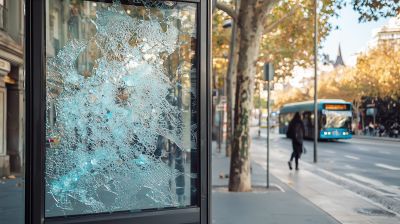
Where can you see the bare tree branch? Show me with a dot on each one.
(266, 4)
(228, 9)
(274, 25)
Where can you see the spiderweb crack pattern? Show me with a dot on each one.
(106, 142)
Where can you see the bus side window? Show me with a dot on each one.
(286, 119)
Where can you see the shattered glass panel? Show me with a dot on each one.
(121, 122)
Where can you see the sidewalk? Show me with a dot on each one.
(376, 138)
(272, 206)
(11, 208)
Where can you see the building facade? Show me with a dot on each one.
(388, 34)
(11, 86)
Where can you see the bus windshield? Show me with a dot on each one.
(336, 119)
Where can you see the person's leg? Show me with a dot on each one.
(290, 161)
(296, 160)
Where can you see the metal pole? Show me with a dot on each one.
(259, 115)
(351, 125)
(316, 129)
(230, 72)
(374, 122)
(268, 104)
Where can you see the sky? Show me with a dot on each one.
(351, 34)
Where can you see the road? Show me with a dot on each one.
(373, 163)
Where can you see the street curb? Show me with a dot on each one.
(377, 138)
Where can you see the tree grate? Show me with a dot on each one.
(255, 189)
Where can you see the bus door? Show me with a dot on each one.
(308, 125)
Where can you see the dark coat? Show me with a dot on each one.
(297, 147)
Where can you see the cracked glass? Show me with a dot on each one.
(121, 122)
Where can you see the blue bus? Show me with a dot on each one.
(334, 118)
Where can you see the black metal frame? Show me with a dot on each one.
(35, 128)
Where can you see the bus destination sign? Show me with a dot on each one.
(336, 106)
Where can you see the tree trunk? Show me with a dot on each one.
(231, 75)
(356, 108)
(251, 27)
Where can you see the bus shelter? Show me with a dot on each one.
(117, 111)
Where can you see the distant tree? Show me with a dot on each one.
(376, 74)
(291, 43)
(379, 68)
(221, 36)
(293, 95)
(375, 9)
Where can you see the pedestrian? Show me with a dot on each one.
(381, 129)
(296, 133)
(366, 130)
(359, 128)
(371, 128)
